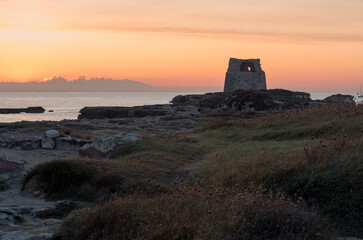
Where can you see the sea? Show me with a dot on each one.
(67, 105)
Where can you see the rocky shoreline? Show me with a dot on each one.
(230, 103)
(100, 131)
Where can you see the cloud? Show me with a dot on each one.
(307, 37)
(262, 20)
(218, 32)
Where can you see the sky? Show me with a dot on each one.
(306, 45)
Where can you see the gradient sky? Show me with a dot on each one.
(309, 45)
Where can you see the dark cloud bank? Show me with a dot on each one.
(60, 84)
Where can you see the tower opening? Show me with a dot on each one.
(247, 67)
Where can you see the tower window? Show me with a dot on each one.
(247, 67)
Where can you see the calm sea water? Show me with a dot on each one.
(67, 105)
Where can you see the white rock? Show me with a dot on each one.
(105, 146)
(48, 143)
(52, 134)
(131, 137)
(86, 146)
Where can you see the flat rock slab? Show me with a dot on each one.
(22, 110)
(124, 112)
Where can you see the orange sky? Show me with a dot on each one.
(309, 45)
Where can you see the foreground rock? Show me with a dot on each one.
(50, 140)
(48, 143)
(52, 134)
(22, 110)
(107, 146)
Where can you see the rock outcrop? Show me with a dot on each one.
(232, 103)
(124, 112)
(22, 110)
(340, 98)
(244, 74)
(243, 100)
(50, 140)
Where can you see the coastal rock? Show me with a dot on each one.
(18, 235)
(339, 98)
(9, 217)
(31, 144)
(7, 141)
(69, 144)
(48, 143)
(124, 112)
(106, 146)
(187, 99)
(251, 100)
(20, 110)
(52, 134)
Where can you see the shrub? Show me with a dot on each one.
(129, 147)
(60, 175)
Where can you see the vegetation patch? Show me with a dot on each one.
(191, 213)
(278, 176)
(145, 167)
(312, 155)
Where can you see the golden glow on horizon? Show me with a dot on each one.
(303, 45)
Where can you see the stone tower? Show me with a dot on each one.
(244, 74)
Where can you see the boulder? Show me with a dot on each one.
(129, 137)
(339, 98)
(52, 134)
(187, 99)
(107, 146)
(48, 143)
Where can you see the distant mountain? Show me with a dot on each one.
(60, 84)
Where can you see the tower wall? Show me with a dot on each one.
(245, 74)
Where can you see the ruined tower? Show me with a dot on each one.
(244, 74)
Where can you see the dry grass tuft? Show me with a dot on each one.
(193, 213)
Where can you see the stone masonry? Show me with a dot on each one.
(245, 74)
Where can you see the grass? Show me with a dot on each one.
(23, 124)
(313, 155)
(191, 213)
(278, 176)
(146, 166)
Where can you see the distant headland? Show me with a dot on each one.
(81, 84)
